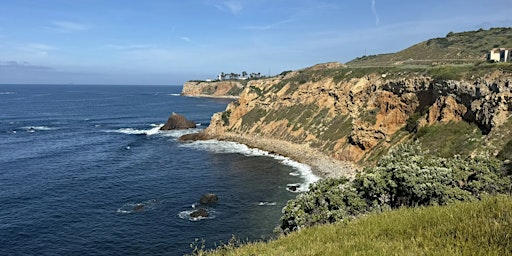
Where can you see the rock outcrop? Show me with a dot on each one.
(209, 198)
(218, 89)
(199, 213)
(178, 122)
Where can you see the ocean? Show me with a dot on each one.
(84, 170)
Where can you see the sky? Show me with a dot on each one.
(167, 42)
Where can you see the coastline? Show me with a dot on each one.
(321, 165)
(211, 96)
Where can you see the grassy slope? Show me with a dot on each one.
(476, 228)
(471, 45)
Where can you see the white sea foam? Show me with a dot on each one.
(226, 147)
(178, 133)
(152, 131)
(138, 207)
(186, 215)
(6, 93)
(264, 203)
(38, 128)
(155, 130)
(174, 94)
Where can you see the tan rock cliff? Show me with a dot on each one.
(229, 88)
(349, 119)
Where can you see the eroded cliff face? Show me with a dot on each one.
(228, 88)
(350, 119)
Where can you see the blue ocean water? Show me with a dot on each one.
(85, 171)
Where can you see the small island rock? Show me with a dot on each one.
(203, 213)
(209, 199)
(177, 122)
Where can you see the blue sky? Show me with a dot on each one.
(170, 41)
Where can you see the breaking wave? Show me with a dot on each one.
(155, 130)
(38, 128)
(152, 131)
(185, 214)
(226, 147)
(267, 203)
(138, 207)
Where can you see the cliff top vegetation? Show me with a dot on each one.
(472, 228)
(463, 47)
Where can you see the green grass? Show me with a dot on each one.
(235, 90)
(252, 117)
(453, 138)
(470, 228)
(455, 48)
(506, 152)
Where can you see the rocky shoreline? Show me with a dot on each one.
(321, 164)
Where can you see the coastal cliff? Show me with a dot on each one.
(218, 89)
(354, 115)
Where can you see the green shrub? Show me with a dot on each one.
(506, 152)
(235, 91)
(449, 139)
(407, 176)
(225, 117)
(412, 122)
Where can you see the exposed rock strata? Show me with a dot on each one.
(218, 89)
(347, 119)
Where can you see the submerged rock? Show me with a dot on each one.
(178, 122)
(209, 199)
(139, 207)
(199, 213)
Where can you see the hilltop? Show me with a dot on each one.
(463, 47)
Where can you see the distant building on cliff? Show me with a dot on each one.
(500, 55)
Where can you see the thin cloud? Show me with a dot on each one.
(37, 49)
(374, 11)
(129, 46)
(267, 27)
(67, 27)
(235, 7)
(185, 38)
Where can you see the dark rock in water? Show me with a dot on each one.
(293, 187)
(177, 122)
(199, 213)
(195, 136)
(209, 199)
(139, 207)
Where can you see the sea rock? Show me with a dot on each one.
(177, 122)
(293, 187)
(209, 198)
(195, 136)
(201, 212)
(139, 207)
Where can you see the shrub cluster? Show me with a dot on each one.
(406, 177)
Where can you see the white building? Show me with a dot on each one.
(500, 55)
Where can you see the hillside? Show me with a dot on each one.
(464, 47)
(476, 228)
(357, 114)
